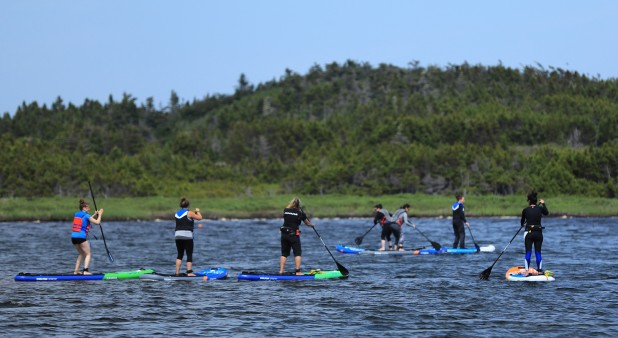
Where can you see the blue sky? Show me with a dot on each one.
(79, 49)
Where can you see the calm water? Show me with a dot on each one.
(433, 296)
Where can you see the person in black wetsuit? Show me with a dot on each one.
(383, 217)
(293, 215)
(531, 219)
(459, 222)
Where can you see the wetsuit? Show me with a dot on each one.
(459, 221)
(184, 234)
(384, 218)
(81, 227)
(531, 218)
(290, 231)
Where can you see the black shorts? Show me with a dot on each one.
(290, 242)
(78, 241)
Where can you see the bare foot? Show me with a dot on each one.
(299, 274)
(86, 273)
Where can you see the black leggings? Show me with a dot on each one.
(396, 231)
(182, 246)
(459, 229)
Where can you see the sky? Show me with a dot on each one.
(77, 50)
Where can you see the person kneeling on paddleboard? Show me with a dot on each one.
(531, 219)
(290, 233)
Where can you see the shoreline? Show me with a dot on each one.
(265, 218)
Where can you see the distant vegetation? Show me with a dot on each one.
(339, 129)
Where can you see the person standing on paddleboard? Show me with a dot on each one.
(531, 219)
(384, 218)
(293, 215)
(79, 235)
(459, 222)
(185, 220)
(400, 219)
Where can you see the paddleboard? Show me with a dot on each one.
(202, 275)
(55, 277)
(427, 251)
(360, 251)
(311, 275)
(514, 275)
(460, 251)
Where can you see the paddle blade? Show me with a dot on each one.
(436, 246)
(358, 240)
(478, 248)
(342, 269)
(111, 259)
(485, 274)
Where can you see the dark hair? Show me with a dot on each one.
(532, 197)
(405, 206)
(458, 197)
(82, 204)
(184, 203)
(379, 206)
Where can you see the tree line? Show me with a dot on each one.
(348, 128)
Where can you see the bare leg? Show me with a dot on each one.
(282, 263)
(297, 260)
(382, 243)
(85, 247)
(79, 258)
(178, 264)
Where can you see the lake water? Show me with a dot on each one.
(430, 296)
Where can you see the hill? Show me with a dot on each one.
(338, 129)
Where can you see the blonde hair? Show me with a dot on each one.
(294, 203)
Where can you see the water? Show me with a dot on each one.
(433, 296)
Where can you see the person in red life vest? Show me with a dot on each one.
(293, 215)
(185, 220)
(79, 235)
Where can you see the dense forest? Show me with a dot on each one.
(349, 128)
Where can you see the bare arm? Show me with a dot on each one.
(98, 215)
(195, 214)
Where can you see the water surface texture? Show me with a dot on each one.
(432, 296)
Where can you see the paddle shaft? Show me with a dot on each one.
(359, 239)
(109, 255)
(434, 244)
(473, 240)
(506, 247)
(341, 268)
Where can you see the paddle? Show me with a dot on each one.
(485, 274)
(340, 267)
(434, 244)
(478, 248)
(109, 255)
(358, 240)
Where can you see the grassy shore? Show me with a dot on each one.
(149, 208)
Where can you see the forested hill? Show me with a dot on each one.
(340, 128)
